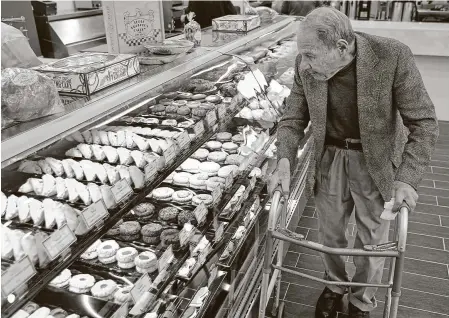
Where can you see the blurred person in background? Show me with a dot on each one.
(206, 11)
(298, 8)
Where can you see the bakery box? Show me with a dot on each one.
(86, 73)
(236, 23)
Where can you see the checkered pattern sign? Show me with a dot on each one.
(154, 36)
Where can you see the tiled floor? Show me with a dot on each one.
(425, 291)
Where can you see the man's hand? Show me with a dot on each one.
(280, 179)
(404, 192)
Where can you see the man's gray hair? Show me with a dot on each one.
(330, 24)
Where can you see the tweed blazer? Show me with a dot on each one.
(398, 126)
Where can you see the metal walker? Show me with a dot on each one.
(395, 250)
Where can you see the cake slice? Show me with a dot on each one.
(94, 191)
(71, 188)
(3, 202)
(141, 142)
(77, 169)
(111, 154)
(23, 205)
(137, 177)
(68, 171)
(112, 172)
(124, 173)
(56, 166)
(129, 136)
(98, 152)
(45, 166)
(102, 175)
(61, 189)
(59, 214)
(113, 140)
(86, 150)
(121, 138)
(96, 140)
(49, 213)
(74, 153)
(11, 209)
(83, 193)
(36, 211)
(108, 197)
(104, 138)
(88, 139)
(88, 169)
(77, 136)
(30, 167)
(124, 156)
(49, 188)
(138, 158)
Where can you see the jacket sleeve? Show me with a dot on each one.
(418, 115)
(294, 121)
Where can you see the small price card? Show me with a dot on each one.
(121, 190)
(222, 111)
(94, 213)
(219, 232)
(200, 213)
(122, 311)
(59, 241)
(213, 275)
(252, 183)
(166, 258)
(150, 172)
(170, 154)
(211, 118)
(140, 287)
(216, 194)
(186, 234)
(203, 254)
(17, 275)
(183, 139)
(229, 180)
(198, 129)
(256, 204)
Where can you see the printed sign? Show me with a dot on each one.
(211, 118)
(183, 139)
(17, 275)
(219, 232)
(222, 111)
(170, 154)
(59, 241)
(200, 213)
(121, 190)
(166, 258)
(94, 213)
(122, 311)
(216, 194)
(150, 172)
(198, 129)
(140, 287)
(229, 180)
(186, 234)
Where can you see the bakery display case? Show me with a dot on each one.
(147, 198)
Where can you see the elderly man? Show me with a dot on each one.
(359, 91)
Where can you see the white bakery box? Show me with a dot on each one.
(236, 23)
(86, 73)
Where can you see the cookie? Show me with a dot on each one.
(200, 155)
(126, 254)
(213, 99)
(199, 96)
(62, 280)
(214, 145)
(230, 147)
(151, 229)
(217, 156)
(181, 179)
(226, 170)
(234, 159)
(163, 193)
(185, 95)
(182, 197)
(171, 109)
(179, 103)
(165, 102)
(168, 214)
(145, 259)
(211, 168)
(91, 252)
(198, 181)
(224, 136)
(186, 216)
(183, 111)
(202, 198)
(170, 237)
(238, 139)
(144, 209)
(130, 228)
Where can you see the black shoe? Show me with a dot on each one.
(355, 312)
(328, 304)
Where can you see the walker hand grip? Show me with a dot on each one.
(402, 224)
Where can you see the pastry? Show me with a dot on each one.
(168, 214)
(146, 262)
(45, 167)
(199, 113)
(30, 167)
(213, 145)
(201, 154)
(198, 85)
(186, 216)
(179, 103)
(234, 160)
(198, 181)
(121, 138)
(211, 168)
(62, 280)
(111, 154)
(36, 211)
(171, 109)
(57, 313)
(163, 102)
(123, 171)
(182, 197)
(76, 168)
(56, 166)
(83, 192)
(144, 209)
(193, 104)
(112, 173)
(217, 156)
(130, 231)
(123, 295)
(107, 249)
(171, 95)
(163, 194)
(68, 171)
(185, 95)
(169, 122)
(226, 170)
(88, 169)
(230, 147)
(137, 177)
(202, 198)
(115, 230)
(256, 172)
(238, 139)
(183, 110)
(227, 100)
(169, 179)
(224, 136)
(126, 255)
(170, 237)
(142, 143)
(104, 289)
(190, 165)
(23, 208)
(151, 229)
(186, 124)
(98, 152)
(214, 182)
(199, 96)
(86, 150)
(91, 252)
(124, 156)
(42, 312)
(101, 172)
(81, 284)
(104, 138)
(108, 197)
(74, 152)
(213, 99)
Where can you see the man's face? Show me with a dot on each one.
(317, 59)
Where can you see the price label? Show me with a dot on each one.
(211, 118)
(252, 182)
(122, 311)
(186, 234)
(222, 111)
(246, 193)
(121, 190)
(256, 204)
(150, 171)
(229, 180)
(170, 154)
(59, 241)
(140, 287)
(213, 275)
(216, 194)
(166, 258)
(219, 232)
(203, 255)
(183, 139)
(17, 275)
(200, 213)
(94, 213)
(198, 129)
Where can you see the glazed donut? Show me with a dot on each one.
(81, 283)
(107, 249)
(104, 289)
(146, 260)
(125, 265)
(126, 254)
(123, 295)
(107, 260)
(148, 270)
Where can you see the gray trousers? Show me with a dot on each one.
(343, 186)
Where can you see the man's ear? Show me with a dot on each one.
(342, 45)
